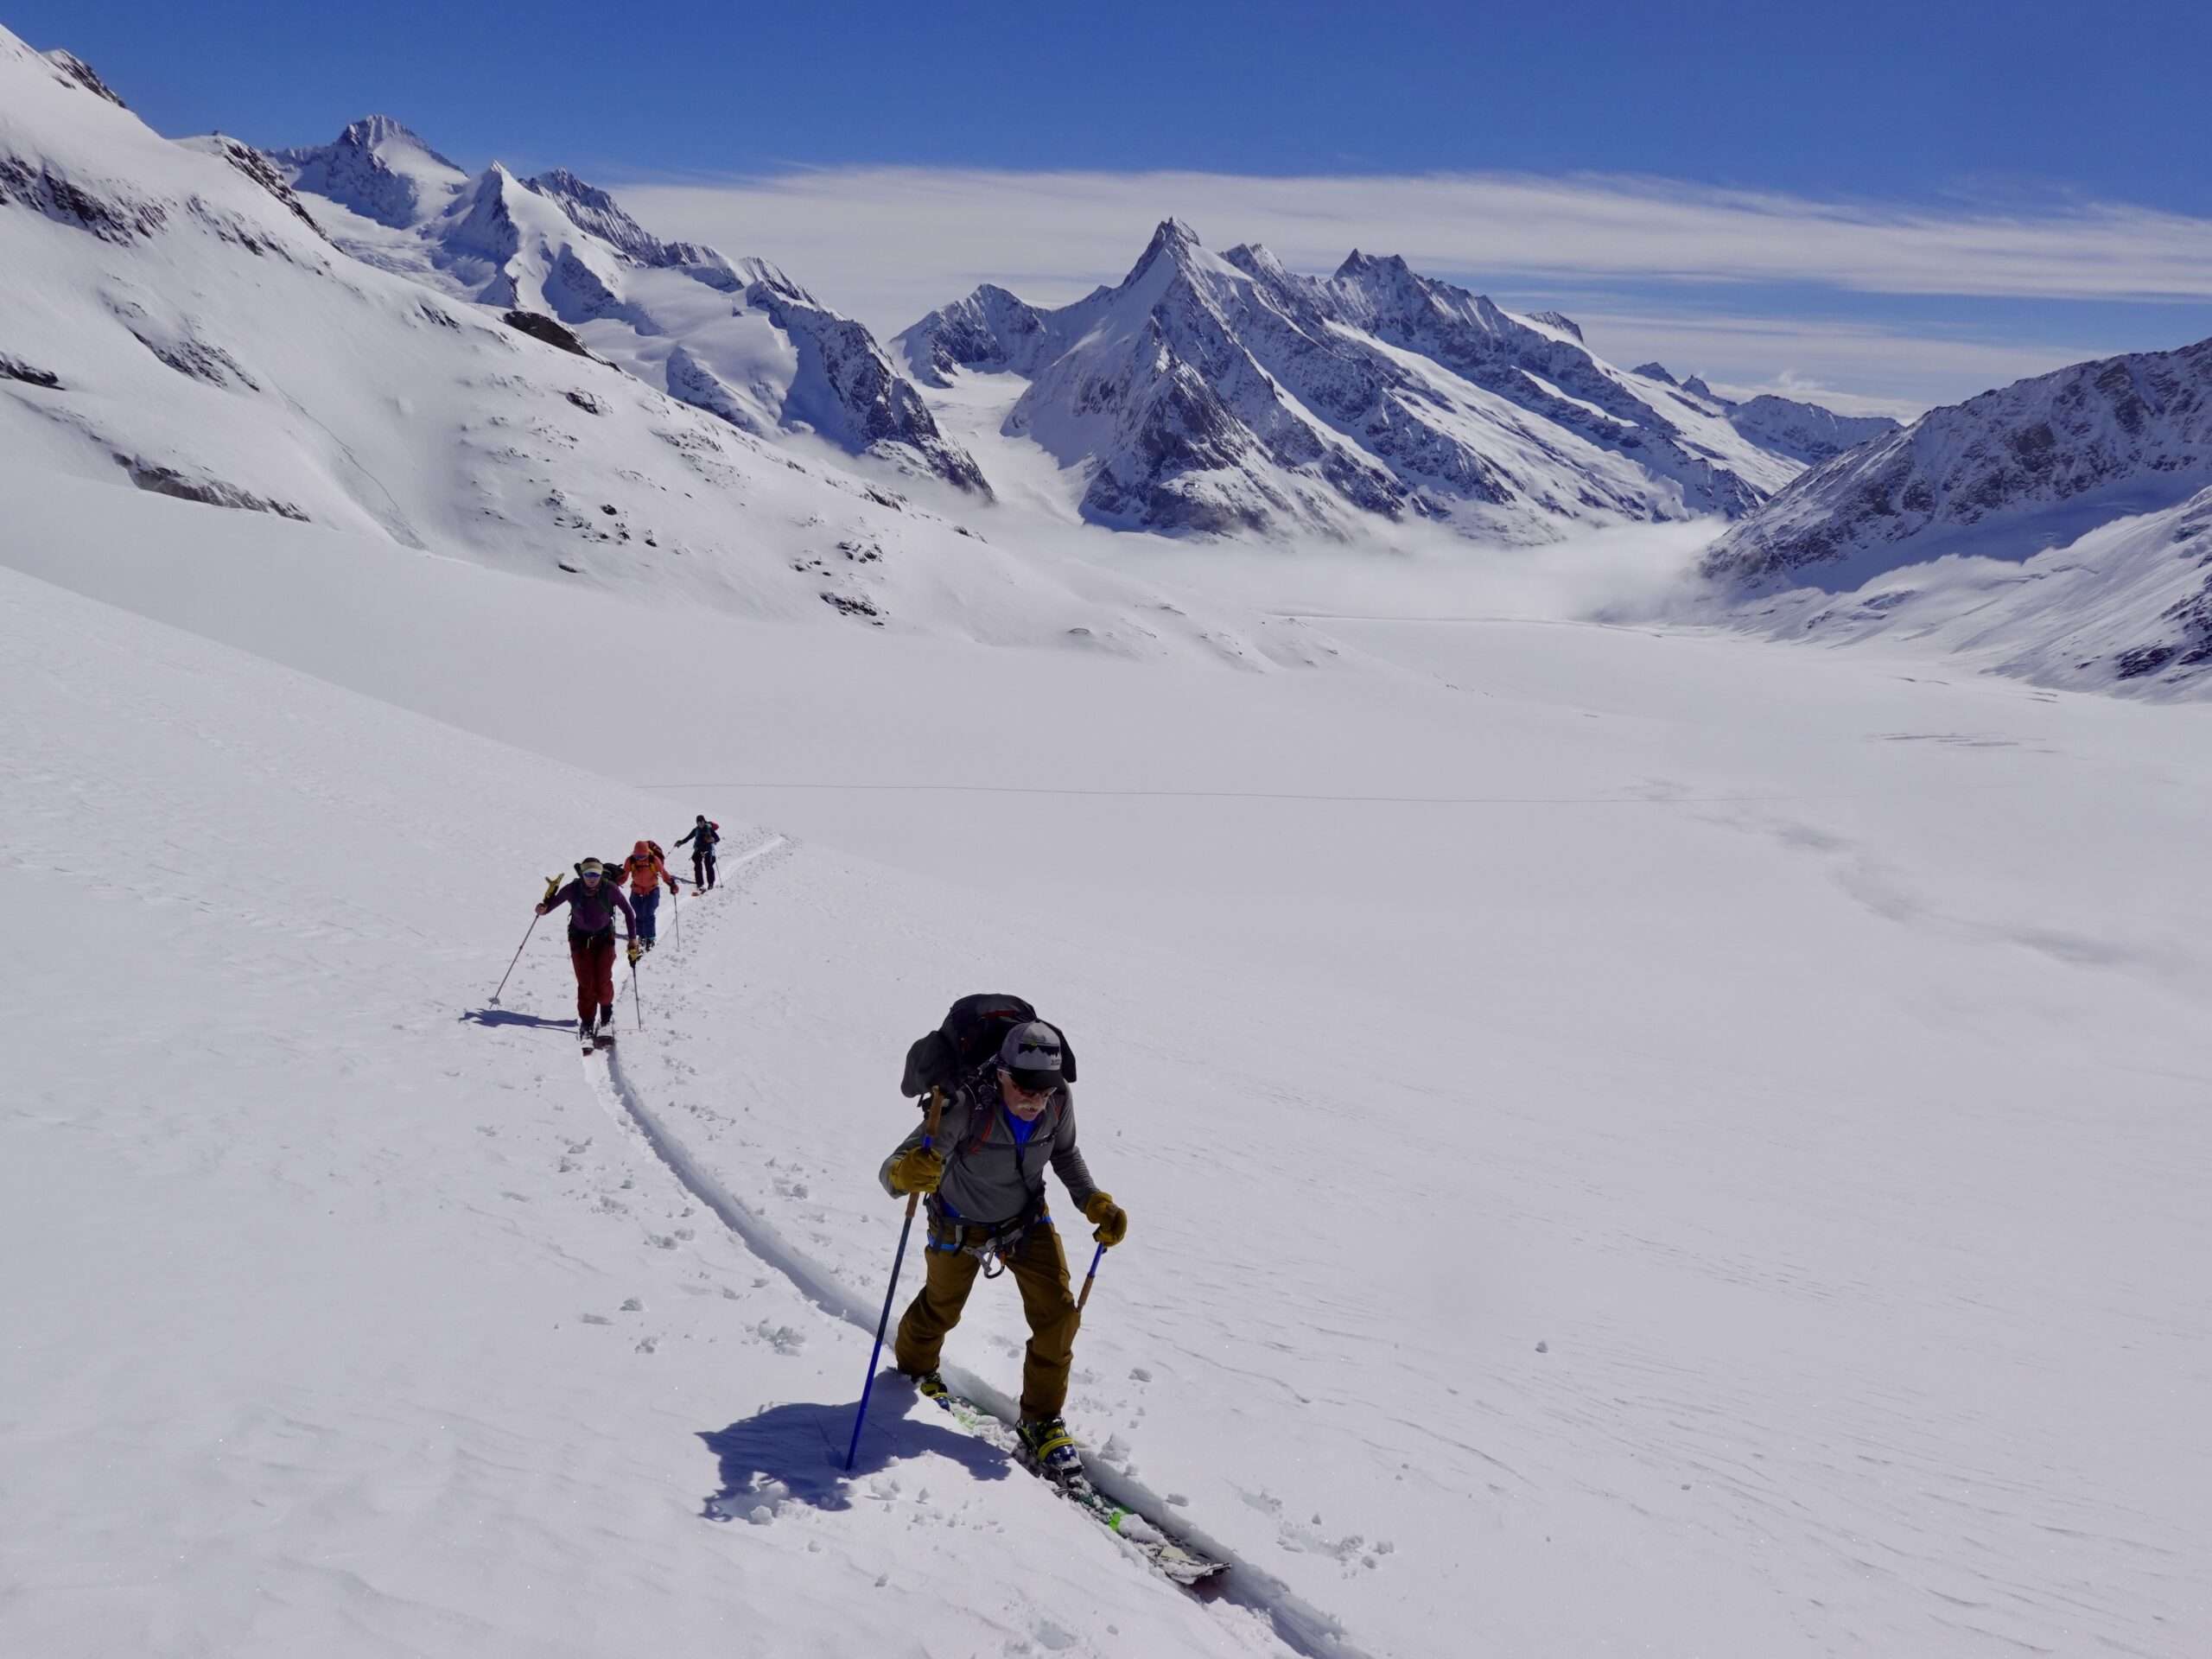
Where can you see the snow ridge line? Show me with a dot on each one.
(1303, 1628)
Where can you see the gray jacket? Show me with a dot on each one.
(988, 1180)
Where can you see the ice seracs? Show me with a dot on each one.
(1224, 393)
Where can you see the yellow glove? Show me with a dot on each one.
(635, 951)
(917, 1171)
(1113, 1220)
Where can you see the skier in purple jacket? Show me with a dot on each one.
(592, 901)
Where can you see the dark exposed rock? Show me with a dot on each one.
(44, 191)
(538, 326)
(263, 171)
(75, 69)
(853, 605)
(15, 369)
(2144, 659)
(166, 481)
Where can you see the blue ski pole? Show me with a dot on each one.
(1096, 1257)
(860, 1417)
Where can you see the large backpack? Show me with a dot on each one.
(968, 1040)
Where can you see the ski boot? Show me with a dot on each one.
(1052, 1448)
(929, 1384)
(606, 1025)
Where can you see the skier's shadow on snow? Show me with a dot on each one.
(509, 1017)
(796, 1453)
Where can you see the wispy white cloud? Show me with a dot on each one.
(889, 243)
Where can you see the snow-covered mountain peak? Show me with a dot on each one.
(385, 136)
(378, 168)
(1174, 247)
(1257, 259)
(737, 337)
(593, 210)
(1358, 265)
(1222, 393)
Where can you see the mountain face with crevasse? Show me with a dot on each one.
(737, 337)
(1225, 394)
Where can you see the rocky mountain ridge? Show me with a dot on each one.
(2008, 474)
(1224, 394)
(737, 337)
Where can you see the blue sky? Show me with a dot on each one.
(1654, 145)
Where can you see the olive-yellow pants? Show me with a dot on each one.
(1040, 1272)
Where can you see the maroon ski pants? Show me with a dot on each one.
(593, 956)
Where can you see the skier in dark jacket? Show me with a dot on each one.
(703, 836)
(592, 901)
(984, 1174)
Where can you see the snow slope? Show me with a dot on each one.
(1799, 1049)
(2126, 607)
(351, 1316)
(738, 339)
(1222, 394)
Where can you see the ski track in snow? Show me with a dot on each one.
(1300, 1626)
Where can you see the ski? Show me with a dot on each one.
(1169, 1556)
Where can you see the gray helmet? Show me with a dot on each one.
(1033, 1054)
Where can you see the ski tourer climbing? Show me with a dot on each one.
(1000, 1127)
(646, 868)
(592, 901)
(703, 836)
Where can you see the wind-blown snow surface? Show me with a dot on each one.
(1698, 1149)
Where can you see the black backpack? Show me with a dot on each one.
(968, 1040)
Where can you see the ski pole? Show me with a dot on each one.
(634, 997)
(860, 1417)
(552, 885)
(1096, 1256)
(675, 902)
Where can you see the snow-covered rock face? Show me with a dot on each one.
(81, 72)
(593, 210)
(2006, 475)
(378, 168)
(1807, 431)
(1224, 393)
(736, 338)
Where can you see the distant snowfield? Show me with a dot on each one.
(1636, 1142)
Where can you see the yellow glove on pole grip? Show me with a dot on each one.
(929, 1135)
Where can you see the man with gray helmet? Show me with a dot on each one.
(1001, 1126)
